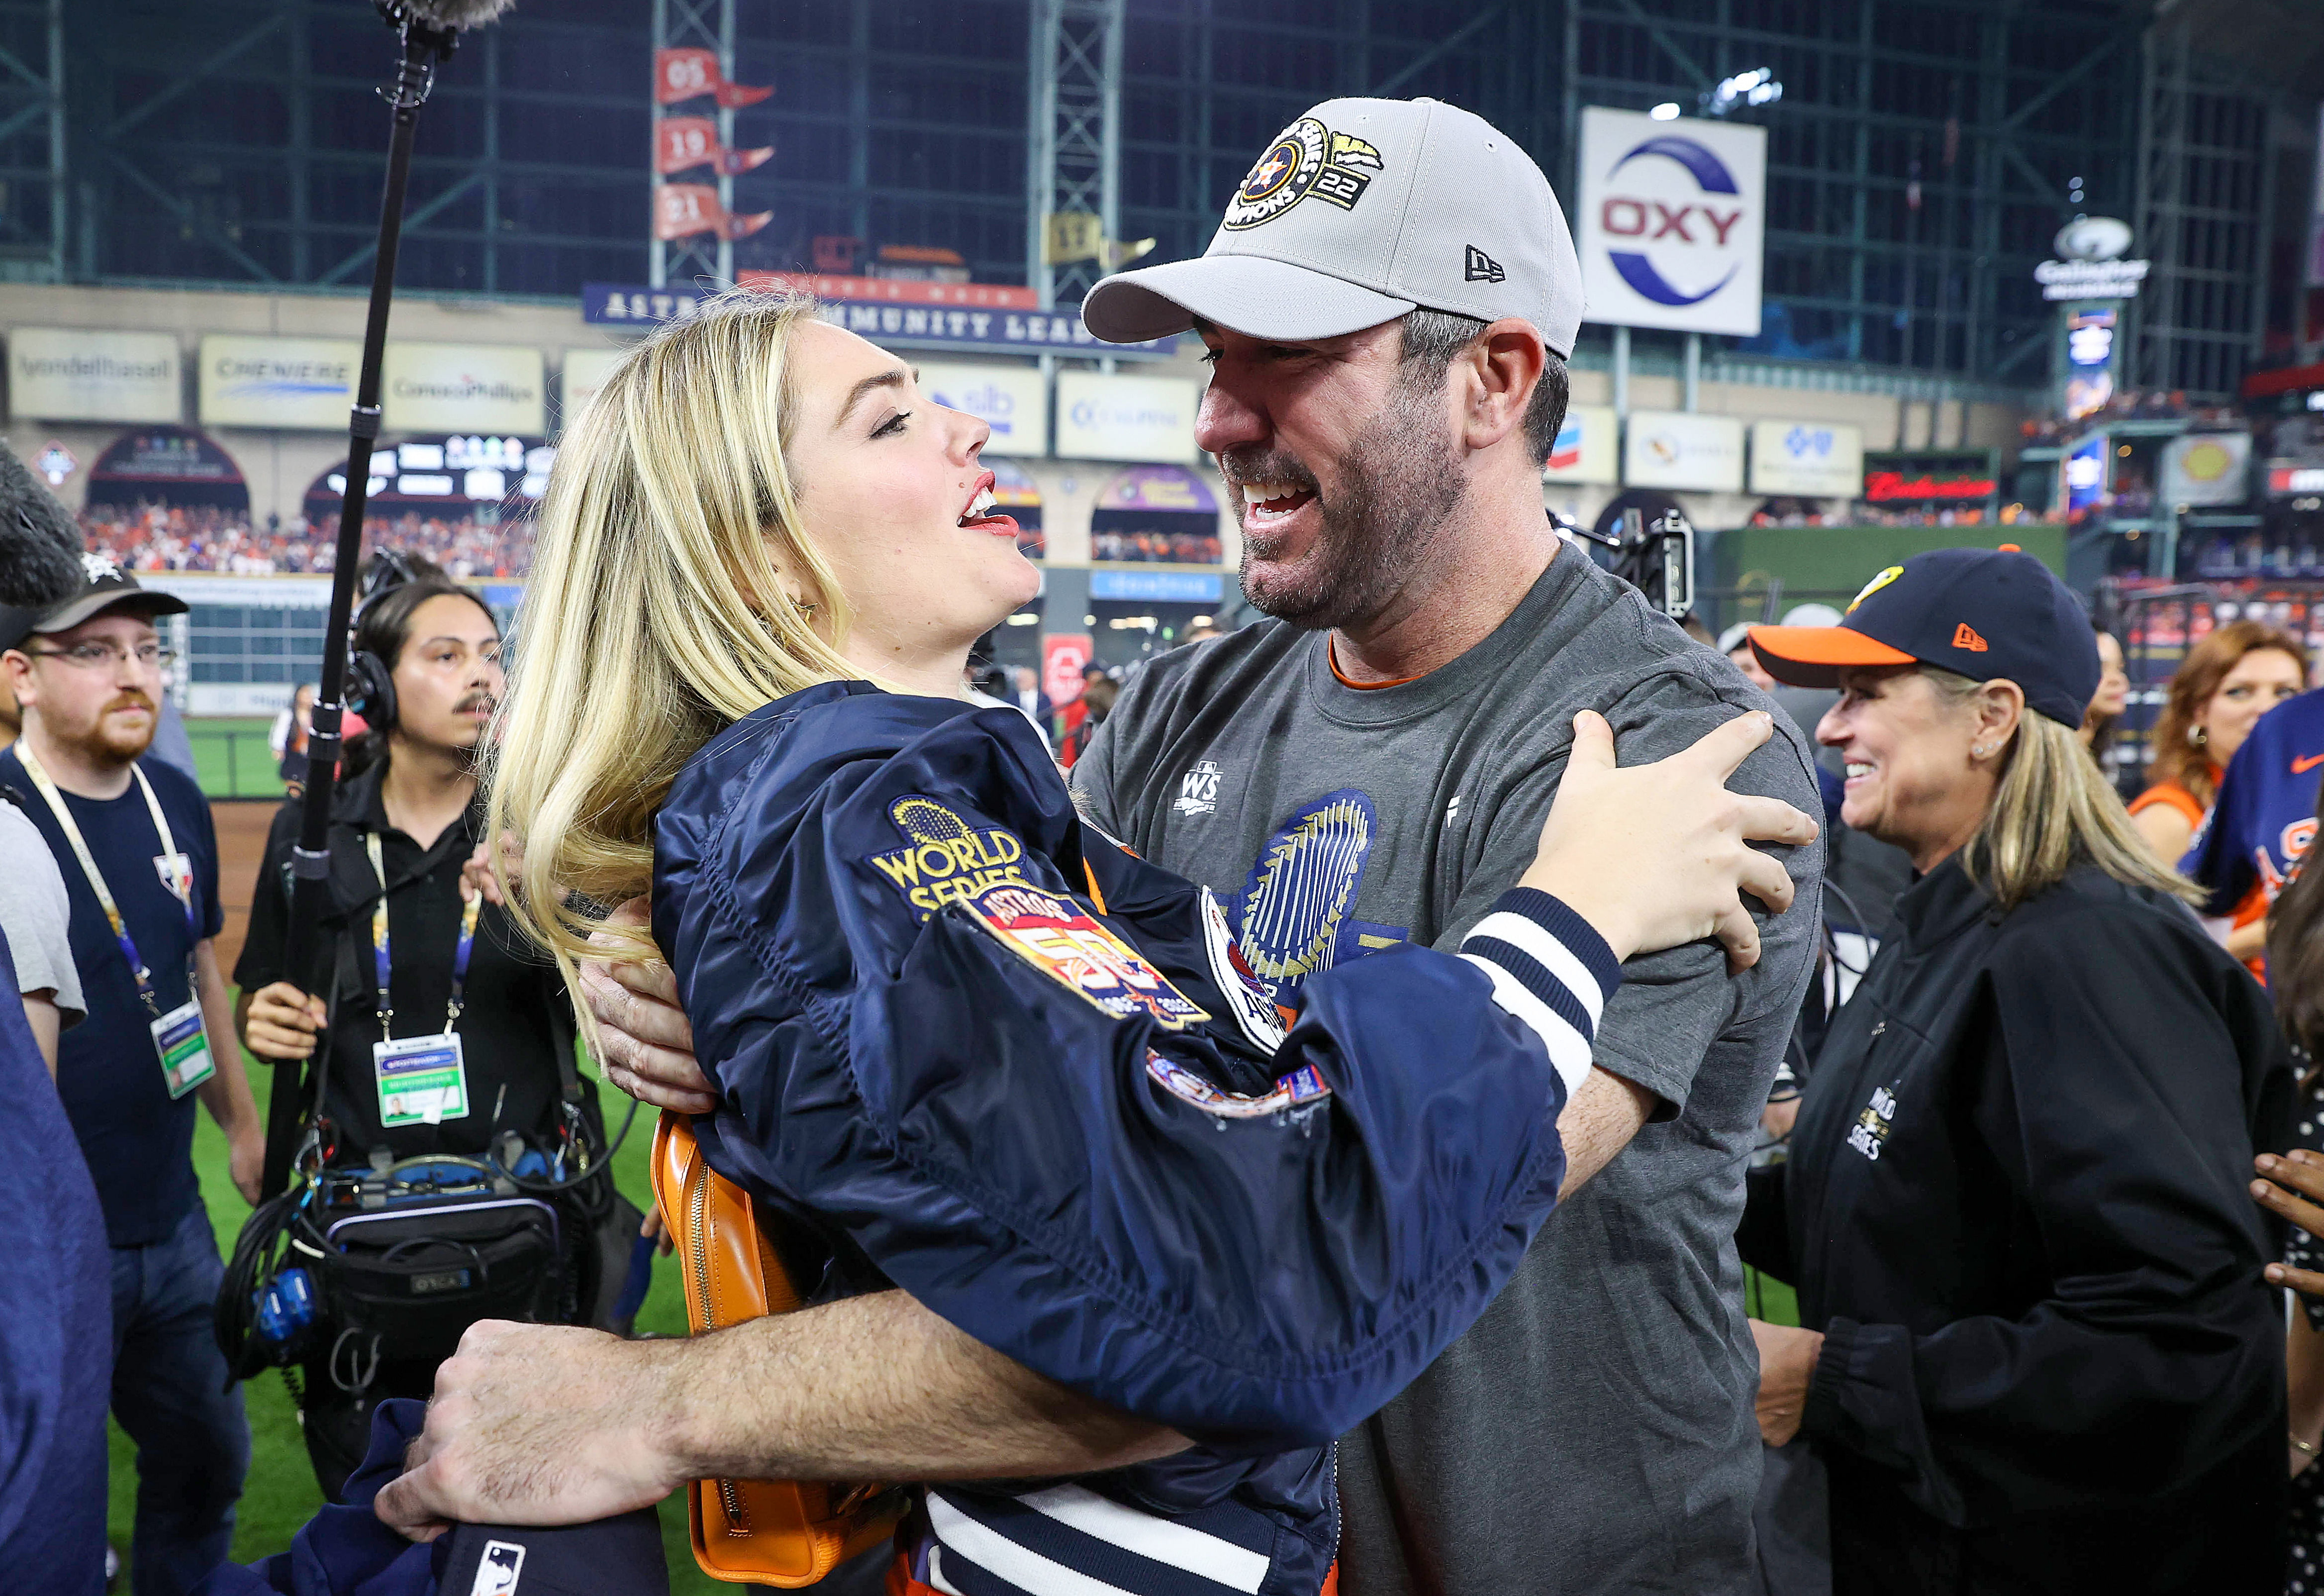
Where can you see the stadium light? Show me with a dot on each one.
(1666, 112)
(1755, 87)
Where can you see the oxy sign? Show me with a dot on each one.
(1672, 222)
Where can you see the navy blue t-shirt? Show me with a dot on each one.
(138, 1143)
(53, 1387)
(2265, 815)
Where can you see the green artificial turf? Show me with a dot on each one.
(231, 754)
(280, 1494)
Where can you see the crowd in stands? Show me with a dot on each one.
(165, 537)
(1186, 548)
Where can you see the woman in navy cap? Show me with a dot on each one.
(2037, 1352)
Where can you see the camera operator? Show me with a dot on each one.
(446, 1032)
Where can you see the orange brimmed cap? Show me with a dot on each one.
(1986, 614)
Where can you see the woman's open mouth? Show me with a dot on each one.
(979, 517)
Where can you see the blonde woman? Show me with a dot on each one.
(2035, 1347)
(968, 1047)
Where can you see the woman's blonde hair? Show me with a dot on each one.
(656, 615)
(2052, 810)
(2198, 678)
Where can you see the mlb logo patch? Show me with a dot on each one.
(500, 1569)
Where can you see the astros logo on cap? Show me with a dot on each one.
(1875, 585)
(1306, 158)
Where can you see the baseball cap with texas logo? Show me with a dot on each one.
(1361, 210)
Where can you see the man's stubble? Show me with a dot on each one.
(1399, 482)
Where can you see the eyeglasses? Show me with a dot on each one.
(98, 656)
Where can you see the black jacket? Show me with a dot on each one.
(2018, 1206)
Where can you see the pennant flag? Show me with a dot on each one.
(689, 73)
(734, 162)
(743, 227)
(682, 210)
(680, 141)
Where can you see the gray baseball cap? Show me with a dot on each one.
(1358, 212)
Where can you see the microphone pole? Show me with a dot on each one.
(427, 41)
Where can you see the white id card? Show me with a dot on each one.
(184, 1048)
(422, 1080)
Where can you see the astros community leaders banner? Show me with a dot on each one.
(69, 374)
(294, 384)
(1672, 222)
(484, 388)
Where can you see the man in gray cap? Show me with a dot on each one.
(1389, 305)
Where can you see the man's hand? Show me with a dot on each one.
(536, 1423)
(644, 1043)
(245, 1160)
(1787, 1364)
(282, 1022)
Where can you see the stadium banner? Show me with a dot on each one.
(1012, 400)
(1584, 450)
(1672, 222)
(1811, 459)
(1680, 449)
(2207, 468)
(1138, 419)
(292, 384)
(582, 373)
(1174, 587)
(466, 388)
(992, 332)
(71, 374)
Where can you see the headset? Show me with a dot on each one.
(371, 680)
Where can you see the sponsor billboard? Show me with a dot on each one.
(71, 374)
(292, 383)
(1680, 449)
(1671, 222)
(1816, 459)
(484, 388)
(1102, 418)
(2207, 468)
(584, 372)
(1584, 450)
(1012, 400)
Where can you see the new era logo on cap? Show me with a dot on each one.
(1965, 637)
(1484, 268)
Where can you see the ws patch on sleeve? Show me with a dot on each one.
(945, 859)
(1057, 937)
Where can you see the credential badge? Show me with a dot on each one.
(1306, 158)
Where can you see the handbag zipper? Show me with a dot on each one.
(698, 1249)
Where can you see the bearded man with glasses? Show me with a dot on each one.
(132, 838)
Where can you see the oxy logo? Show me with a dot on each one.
(1689, 238)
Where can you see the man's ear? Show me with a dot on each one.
(1505, 363)
(16, 676)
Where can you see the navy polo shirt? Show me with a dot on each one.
(138, 1143)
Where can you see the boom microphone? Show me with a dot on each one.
(39, 545)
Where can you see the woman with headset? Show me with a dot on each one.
(448, 1033)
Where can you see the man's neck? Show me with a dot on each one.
(1483, 561)
(73, 768)
(425, 790)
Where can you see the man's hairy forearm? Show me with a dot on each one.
(878, 1388)
(1599, 1122)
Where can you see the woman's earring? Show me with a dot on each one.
(806, 610)
(1982, 750)
(2197, 736)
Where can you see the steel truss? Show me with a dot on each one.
(1073, 134)
(699, 25)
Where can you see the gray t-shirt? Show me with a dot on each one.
(37, 915)
(1593, 1431)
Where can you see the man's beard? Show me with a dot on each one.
(108, 743)
(1397, 481)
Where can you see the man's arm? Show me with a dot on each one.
(545, 1425)
(227, 1094)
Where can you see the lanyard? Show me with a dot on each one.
(71, 828)
(467, 945)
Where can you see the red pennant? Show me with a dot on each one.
(685, 75)
(683, 209)
(734, 97)
(734, 162)
(681, 141)
(743, 227)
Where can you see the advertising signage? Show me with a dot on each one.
(971, 317)
(1102, 418)
(1672, 222)
(1683, 450)
(1816, 459)
(1012, 400)
(1919, 477)
(293, 384)
(71, 374)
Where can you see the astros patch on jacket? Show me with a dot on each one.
(1058, 938)
(945, 859)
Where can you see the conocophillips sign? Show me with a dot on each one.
(1672, 222)
(464, 388)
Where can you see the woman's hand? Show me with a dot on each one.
(283, 1022)
(2304, 1172)
(1655, 856)
(1787, 1365)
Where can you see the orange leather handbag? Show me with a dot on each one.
(786, 1533)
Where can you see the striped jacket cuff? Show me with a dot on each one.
(1550, 969)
